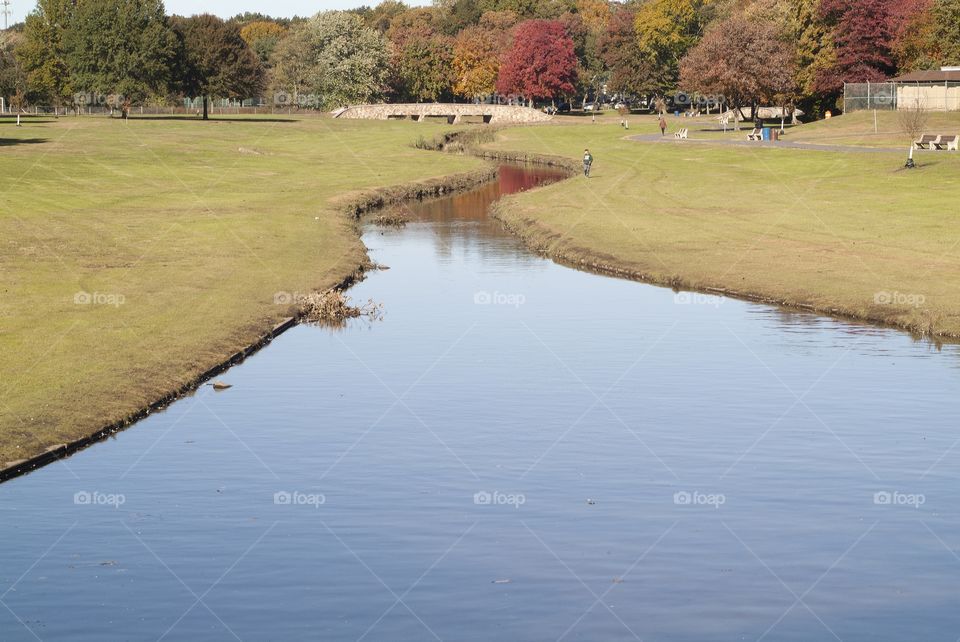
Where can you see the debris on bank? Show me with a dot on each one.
(395, 217)
(333, 308)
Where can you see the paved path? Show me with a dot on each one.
(780, 144)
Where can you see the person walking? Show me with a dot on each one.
(663, 125)
(587, 162)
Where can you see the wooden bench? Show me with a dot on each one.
(926, 141)
(948, 143)
(756, 134)
(682, 134)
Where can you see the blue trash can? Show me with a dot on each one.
(766, 133)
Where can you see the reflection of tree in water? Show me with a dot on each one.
(481, 232)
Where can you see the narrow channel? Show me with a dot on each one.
(516, 451)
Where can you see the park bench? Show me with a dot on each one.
(949, 143)
(756, 134)
(682, 133)
(926, 141)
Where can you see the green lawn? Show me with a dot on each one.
(179, 233)
(836, 231)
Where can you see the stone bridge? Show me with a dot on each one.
(450, 112)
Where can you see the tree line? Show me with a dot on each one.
(786, 52)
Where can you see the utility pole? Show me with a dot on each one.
(5, 4)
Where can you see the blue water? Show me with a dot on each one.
(517, 451)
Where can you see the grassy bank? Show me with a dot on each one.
(137, 255)
(849, 233)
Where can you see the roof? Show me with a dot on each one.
(930, 76)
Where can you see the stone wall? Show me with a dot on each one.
(454, 113)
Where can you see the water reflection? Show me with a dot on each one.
(518, 451)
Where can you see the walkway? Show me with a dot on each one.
(780, 144)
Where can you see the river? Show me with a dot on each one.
(516, 451)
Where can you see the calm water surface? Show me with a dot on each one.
(517, 451)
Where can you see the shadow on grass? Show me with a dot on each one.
(9, 142)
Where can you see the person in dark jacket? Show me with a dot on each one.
(587, 162)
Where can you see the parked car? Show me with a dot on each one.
(621, 105)
(591, 107)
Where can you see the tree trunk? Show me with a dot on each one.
(205, 111)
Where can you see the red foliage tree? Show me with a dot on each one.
(863, 36)
(542, 63)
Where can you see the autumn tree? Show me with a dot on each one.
(334, 58)
(263, 36)
(945, 40)
(383, 15)
(815, 51)
(630, 71)
(217, 62)
(541, 64)
(502, 21)
(862, 34)
(745, 61)
(476, 61)
(666, 30)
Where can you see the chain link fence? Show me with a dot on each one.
(858, 96)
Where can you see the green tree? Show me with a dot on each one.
(425, 68)
(43, 56)
(123, 47)
(216, 60)
(13, 80)
(335, 59)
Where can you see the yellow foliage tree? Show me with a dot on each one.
(476, 62)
